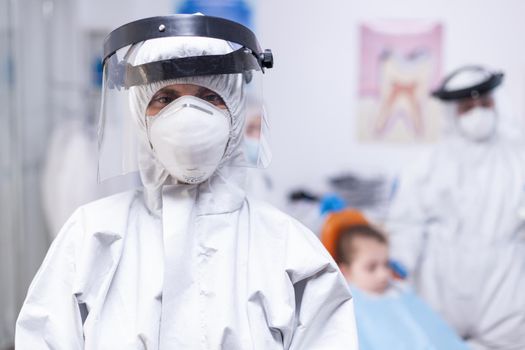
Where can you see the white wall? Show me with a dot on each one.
(104, 14)
(311, 92)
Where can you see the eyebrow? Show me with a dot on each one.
(172, 92)
(202, 90)
(168, 91)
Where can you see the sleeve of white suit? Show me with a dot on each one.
(50, 317)
(324, 306)
(405, 224)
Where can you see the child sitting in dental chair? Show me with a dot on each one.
(389, 315)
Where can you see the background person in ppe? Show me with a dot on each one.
(456, 221)
(259, 184)
(389, 315)
(187, 262)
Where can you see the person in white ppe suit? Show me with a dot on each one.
(457, 219)
(188, 261)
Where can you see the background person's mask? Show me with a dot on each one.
(479, 124)
(189, 138)
(252, 149)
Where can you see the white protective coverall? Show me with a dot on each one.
(178, 266)
(457, 224)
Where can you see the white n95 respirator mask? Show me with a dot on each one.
(478, 124)
(189, 138)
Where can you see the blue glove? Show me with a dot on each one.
(331, 202)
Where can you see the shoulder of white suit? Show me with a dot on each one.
(108, 215)
(264, 210)
(275, 222)
(116, 200)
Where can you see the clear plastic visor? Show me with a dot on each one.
(160, 101)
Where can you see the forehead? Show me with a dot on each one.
(184, 89)
(367, 246)
(469, 100)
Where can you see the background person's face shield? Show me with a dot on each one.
(468, 99)
(174, 77)
(256, 131)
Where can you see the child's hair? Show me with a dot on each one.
(345, 249)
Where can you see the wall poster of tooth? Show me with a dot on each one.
(400, 64)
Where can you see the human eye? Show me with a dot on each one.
(163, 99)
(487, 102)
(371, 267)
(159, 101)
(465, 107)
(213, 98)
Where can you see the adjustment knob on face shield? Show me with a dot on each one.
(266, 59)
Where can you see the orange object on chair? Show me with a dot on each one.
(336, 222)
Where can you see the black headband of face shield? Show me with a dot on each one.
(122, 74)
(493, 81)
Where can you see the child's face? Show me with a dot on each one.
(369, 269)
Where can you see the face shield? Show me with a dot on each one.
(179, 88)
(470, 103)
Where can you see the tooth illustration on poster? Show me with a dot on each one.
(400, 62)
